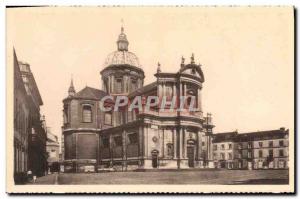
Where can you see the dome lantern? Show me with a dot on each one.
(122, 41)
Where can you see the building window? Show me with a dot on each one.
(106, 86)
(215, 156)
(260, 144)
(133, 84)
(170, 149)
(118, 85)
(281, 153)
(215, 147)
(270, 143)
(222, 156)
(249, 145)
(249, 154)
(87, 113)
(118, 140)
(240, 146)
(107, 118)
(271, 153)
(222, 147)
(230, 146)
(66, 115)
(240, 154)
(260, 153)
(281, 143)
(133, 138)
(203, 143)
(230, 156)
(105, 142)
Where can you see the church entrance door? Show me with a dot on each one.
(191, 156)
(154, 158)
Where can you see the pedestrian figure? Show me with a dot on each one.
(29, 176)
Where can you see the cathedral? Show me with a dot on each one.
(94, 140)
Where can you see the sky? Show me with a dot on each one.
(246, 55)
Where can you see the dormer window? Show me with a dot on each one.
(87, 113)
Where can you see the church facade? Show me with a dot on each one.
(155, 138)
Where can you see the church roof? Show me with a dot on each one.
(89, 93)
(144, 89)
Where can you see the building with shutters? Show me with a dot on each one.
(29, 126)
(96, 140)
(253, 150)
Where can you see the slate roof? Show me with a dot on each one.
(224, 137)
(143, 89)
(250, 136)
(262, 135)
(89, 93)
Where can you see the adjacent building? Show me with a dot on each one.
(52, 148)
(29, 129)
(224, 154)
(21, 124)
(253, 150)
(139, 139)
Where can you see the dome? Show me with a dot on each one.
(122, 57)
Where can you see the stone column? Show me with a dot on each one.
(174, 133)
(111, 148)
(126, 84)
(112, 83)
(199, 141)
(124, 150)
(164, 89)
(97, 152)
(160, 90)
(199, 100)
(184, 154)
(109, 84)
(175, 94)
(162, 133)
(141, 145)
(180, 143)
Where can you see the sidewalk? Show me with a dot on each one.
(48, 179)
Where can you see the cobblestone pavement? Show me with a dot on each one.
(171, 177)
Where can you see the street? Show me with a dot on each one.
(171, 177)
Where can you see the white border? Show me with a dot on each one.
(296, 3)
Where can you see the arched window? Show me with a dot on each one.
(132, 138)
(192, 94)
(118, 85)
(133, 84)
(66, 115)
(87, 113)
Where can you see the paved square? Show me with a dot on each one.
(171, 177)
